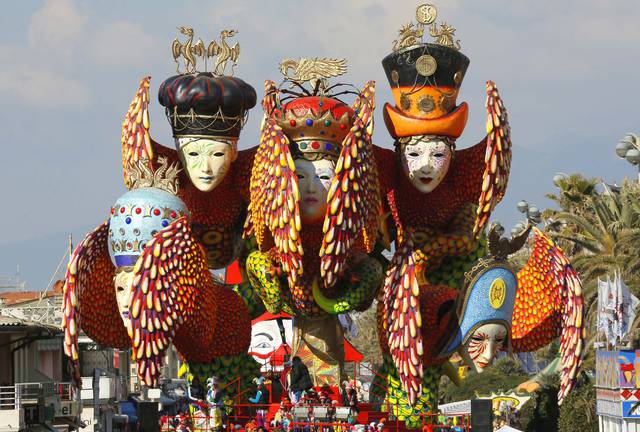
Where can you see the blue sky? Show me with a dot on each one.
(567, 72)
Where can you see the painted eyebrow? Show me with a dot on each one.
(265, 334)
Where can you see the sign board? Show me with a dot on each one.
(618, 369)
(631, 409)
(68, 409)
(618, 384)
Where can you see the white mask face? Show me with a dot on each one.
(206, 161)
(266, 340)
(426, 163)
(483, 345)
(314, 180)
(122, 282)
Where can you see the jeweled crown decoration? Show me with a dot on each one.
(426, 14)
(150, 206)
(315, 122)
(190, 51)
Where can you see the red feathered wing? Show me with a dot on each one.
(137, 144)
(167, 276)
(482, 171)
(89, 298)
(353, 200)
(401, 299)
(274, 194)
(549, 304)
(175, 299)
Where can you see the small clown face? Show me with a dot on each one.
(122, 283)
(267, 345)
(426, 161)
(206, 161)
(314, 180)
(482, 346)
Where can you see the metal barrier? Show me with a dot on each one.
(15, 396)
(242, 414)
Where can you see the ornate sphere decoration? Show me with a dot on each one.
(138, 215)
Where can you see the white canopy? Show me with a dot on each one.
(508, 429)
(460, 407)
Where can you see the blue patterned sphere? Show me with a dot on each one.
(136, 217)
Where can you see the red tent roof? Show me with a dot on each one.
(351, 354)
(232, 274)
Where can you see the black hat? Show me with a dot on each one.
(425, 80)
(205, 105)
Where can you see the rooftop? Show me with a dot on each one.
(11, 298)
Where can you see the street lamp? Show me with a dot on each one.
(629, 148)
(559, 177)
(533, 214)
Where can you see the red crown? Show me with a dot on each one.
(316, 124)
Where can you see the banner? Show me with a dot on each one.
(616, 309)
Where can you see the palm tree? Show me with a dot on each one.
(601, 231)
(573, 192)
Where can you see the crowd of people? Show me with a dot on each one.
(302, 408)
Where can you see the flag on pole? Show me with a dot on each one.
(603, 299)
(626, 305)
(616, 308)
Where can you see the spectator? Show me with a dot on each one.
(352, 402)
(427, 427)
(195, 391)
(300, 379)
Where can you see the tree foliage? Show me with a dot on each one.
(505, 374)
(366, 338)
(541, 412)
(582, 400)
(600, 230)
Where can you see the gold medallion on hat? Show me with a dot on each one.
(447, 102)
(457, 78)
(405, 102)
(497, 293)
(426, 65)
(426, 104)
(395, 77)
(426, 14)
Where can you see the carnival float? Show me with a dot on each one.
(306, 213)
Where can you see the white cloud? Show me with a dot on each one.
(57, 26)
(39, 72)
(45, 70)
(122, 44)
(30, 83)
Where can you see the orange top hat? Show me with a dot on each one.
(425, 79)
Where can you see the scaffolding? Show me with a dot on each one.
(44, 309)
(13, 283)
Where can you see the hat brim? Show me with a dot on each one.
(401, 125)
